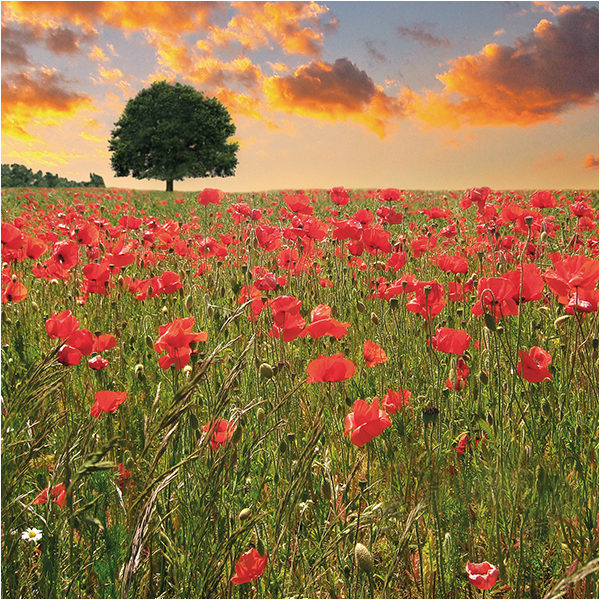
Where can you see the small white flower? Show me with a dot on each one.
(31, 534)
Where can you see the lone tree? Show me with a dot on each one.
(170, 132)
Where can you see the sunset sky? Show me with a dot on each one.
(414, 95)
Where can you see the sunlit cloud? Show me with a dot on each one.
(550, 71)
(42, 97)
(295, 27)
(334, 91)
(420, 33)
(591, 162)
(97, 55)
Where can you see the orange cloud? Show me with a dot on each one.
(131, 16)
(41, 97)
(296, 27)
(552, 70)
(97, 54)
(591, 162)
(337, 91)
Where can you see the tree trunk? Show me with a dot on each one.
(169, 185)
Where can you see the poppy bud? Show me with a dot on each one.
(360, 307)
(6, 318)
(194, 421)
(546, 408)
(326, 491)
(490, 322)
(394, 303)
(362, 484)
(500, 329)
(210, 311)
(266, 371)
(282, 447)
(164, 310)
(543, 237)
(430, 414)
(244, 514)
(149, 342)
(237, 434)
(374, 319)
(189, 302)
(483, 377)
(346, 571)
(561, 320)
(34, 306)
(139, 371)
(364, 559)
(187, 370)
(260, 414)
(379, 265)
(540, 479)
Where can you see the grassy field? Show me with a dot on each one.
(180, 417)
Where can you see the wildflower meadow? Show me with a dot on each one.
(304, 393)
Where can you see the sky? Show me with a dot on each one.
(413, 95)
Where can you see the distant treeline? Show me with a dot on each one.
(20, 176)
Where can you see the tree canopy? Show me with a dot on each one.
(16, 175)
(170, 132)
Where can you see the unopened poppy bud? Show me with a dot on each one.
(374, 319)
(326, 490)
(561, 320)
(546, 408)
(149, 342)
(362, 484)
(483, 377)
(543, 236)
(540, 479)
(361, 307)
(237, 434)
(34, 306)
(210, 311)
(194, 424)
(5, 318)
(346, 571)
(394, 303)
(164, 310)
(244, 514)
(187, 370)
(282, 447)
(189, 302)
(364, 559)
(139, 371)
(430, 414)
(266, 371)
(379, 265)
(260, 414)
(490, 322)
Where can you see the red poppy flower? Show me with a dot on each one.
(59, 495)
(482, 575)
(461, 447)
(220, 432)
(15, 291)
(339, 196)
(250, 566)
(582, 300)
(394, 401)
(451, 341)
(542, 199)
(66, 254)
(97, 363)
(429, 299)
(533, 284)
(104, 341)
(373, 354)
(61, 325)
(83, 340)
(453, 264)
(571, 273)
(365, 422)
(533, 365)
(497, 294)
(107, 401)
(175, 338)
(124, 475)
(330, 368)
(462, 372)
(287, 319)
(210, 196)
(67, 355)
(322, 324)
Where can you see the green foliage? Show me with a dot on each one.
(20, 176)
(169, 132)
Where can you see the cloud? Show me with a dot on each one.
(62, 41)
(334, 92)
(591, 162)
(553, 69)
(15, 41)
(420, 34)
(374, 53)
(97, 54)
(296, 27)
(41, 97)
(176, 17)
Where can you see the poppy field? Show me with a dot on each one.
(304, 393)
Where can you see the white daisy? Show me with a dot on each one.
(31, 534)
